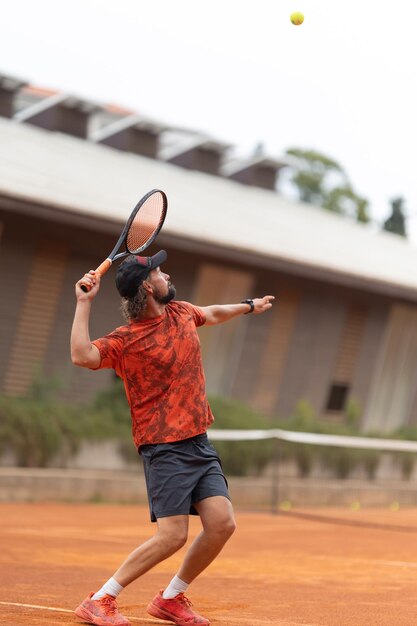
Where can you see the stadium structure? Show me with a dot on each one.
(344, 326)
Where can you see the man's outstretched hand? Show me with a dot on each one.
(262, 304)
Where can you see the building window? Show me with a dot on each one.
(337, 397)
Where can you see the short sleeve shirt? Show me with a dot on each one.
(160, 362)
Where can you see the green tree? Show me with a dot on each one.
(320, 180)
(396, 221)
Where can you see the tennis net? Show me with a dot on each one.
(277, 469)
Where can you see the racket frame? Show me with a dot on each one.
(114, 255)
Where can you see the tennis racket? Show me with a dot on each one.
(142, 228)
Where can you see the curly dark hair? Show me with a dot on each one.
(133, 308)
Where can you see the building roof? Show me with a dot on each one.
(176, 142)
(237, 165)
(49, 102)
(10, 82)
(206, 213)
(129, 121)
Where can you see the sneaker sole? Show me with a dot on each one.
(82, 613)
(156, 611)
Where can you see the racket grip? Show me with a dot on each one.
(102, 269)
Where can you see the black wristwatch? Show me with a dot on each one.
(250, 302)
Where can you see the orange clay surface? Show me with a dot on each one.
(318, 567)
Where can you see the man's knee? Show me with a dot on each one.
(228, 527)
(173, 539)
(223, 528)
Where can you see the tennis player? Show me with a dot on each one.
(157, 354)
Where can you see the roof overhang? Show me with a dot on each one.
(63, 178)
(201, 246)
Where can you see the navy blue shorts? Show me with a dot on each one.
(181, 473)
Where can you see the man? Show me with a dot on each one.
(157, 354)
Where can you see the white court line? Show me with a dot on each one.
(136, 619)
(398, 563)
(51, 608)
(377, 562)
(34, 606)
(127, 542)
(374, 562)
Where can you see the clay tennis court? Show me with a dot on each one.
(318, 568)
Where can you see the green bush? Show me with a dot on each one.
(340, 461)
(36, 430)
(407, 460)
(241, 458)
(113, 400)
(305, 456)
(38, 427)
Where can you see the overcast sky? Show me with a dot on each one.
(343, 83)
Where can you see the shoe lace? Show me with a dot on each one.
(184, 600)
(109, 605)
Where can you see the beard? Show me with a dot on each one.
(164, 299)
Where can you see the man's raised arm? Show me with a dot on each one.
(83, 352)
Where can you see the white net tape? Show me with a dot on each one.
(342, 441)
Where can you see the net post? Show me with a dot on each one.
(275, 476)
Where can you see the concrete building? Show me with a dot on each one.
(345, 321)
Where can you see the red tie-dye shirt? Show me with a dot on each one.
(160, 363)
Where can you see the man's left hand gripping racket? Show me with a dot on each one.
(142, 228)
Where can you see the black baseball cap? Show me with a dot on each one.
(132, 272)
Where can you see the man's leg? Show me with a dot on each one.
(218, 522)
(217, 518)
(170, 537)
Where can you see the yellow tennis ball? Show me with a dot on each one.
(297, 18)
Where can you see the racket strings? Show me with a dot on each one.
(146, 222)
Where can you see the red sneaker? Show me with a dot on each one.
(102, 612)
(177, 610)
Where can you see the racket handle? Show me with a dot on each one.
(102, 269)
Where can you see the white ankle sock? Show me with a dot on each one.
(111, 587)
(175, 587)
